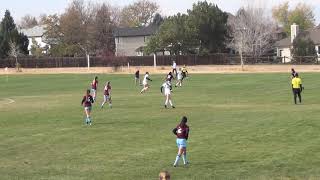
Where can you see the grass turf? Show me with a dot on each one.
(243, 126)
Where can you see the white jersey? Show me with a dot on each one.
(145, 80)
(167, 88)
(174, 65)
(179, 75)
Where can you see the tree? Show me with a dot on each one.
(211, 24)
(28, 21)
(139, 13)
(302, 15)
(252, 33)
(303, 47)
(103, 31)
(176, 35)
(9, 33)
(157, 19)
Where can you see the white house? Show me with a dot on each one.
(284, 46)
(36, 35)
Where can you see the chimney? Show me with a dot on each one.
(294, 31)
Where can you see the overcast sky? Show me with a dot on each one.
(19, 8)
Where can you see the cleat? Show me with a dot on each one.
(165, 106)
(173, 107)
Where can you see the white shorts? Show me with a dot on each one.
(145, 83)
(167, 92)
(93, 91)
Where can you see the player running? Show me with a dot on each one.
(179, 78)
(184, 72)
(182, 133)
(87, 101)
(107, 95)
(169, 77)
(293, 73)
(94, 87)
(174, 67)
(166, 90)
(145, 82)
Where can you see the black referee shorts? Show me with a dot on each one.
(296, 90)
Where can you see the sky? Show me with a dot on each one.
(19, 8)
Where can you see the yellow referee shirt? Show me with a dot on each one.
(296, 82)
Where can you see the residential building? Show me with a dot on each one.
(131, 41)
(36, 37)
(284, 46)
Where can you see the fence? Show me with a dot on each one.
(215, 59)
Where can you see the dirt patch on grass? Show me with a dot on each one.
(166, 69)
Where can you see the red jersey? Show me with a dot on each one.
(107, 90)
(87, 101)
(182, 132)
(94, 84)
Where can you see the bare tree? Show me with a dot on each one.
(140, 13)
(252, 33)
(14, 52)
(28, 21)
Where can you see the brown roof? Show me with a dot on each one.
(313, 34)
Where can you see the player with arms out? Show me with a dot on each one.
(145, 82)
(94, 87)
(86, 102)
(182, 133)
(107, 95)
(166, 90)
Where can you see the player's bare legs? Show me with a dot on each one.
(145, 88)
(88, 111)
(168, 100)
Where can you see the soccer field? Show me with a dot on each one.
(243, 126)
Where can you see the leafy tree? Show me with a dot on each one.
(303, 47)
(302, 15)
(139, 13)
(9, 33)
(211, 24)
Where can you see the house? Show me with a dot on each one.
(36, 37)
(131, 41)
(284, 46)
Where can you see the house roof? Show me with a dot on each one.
(313, 34)
(135, 31)
(36, 31)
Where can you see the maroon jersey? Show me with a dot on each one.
(182, 132)
(87, 101)
(107, 90)
(94, 84)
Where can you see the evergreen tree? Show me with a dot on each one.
(9, 33)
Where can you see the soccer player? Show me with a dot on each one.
(174, 67)
(94, 87)
(293, 73)
(169, 77)
(107, 95)
(166, 90)
(184, 72)
(179, 78)
(145, 82)
(164, 175)
(296, 87)
(86, 102)
(137, 78)
(182, 133)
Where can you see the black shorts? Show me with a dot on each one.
(296, 90)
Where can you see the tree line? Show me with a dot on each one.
(86, 28)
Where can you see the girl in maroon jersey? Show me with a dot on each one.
(182, 133)
(87, 101)
(107, 95)
(94, 87)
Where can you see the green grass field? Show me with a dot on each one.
(243, 126)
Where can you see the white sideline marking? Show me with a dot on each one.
(9, 101)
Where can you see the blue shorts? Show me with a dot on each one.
(88, 108)
(181, 143)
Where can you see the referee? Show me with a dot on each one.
(296, 87)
